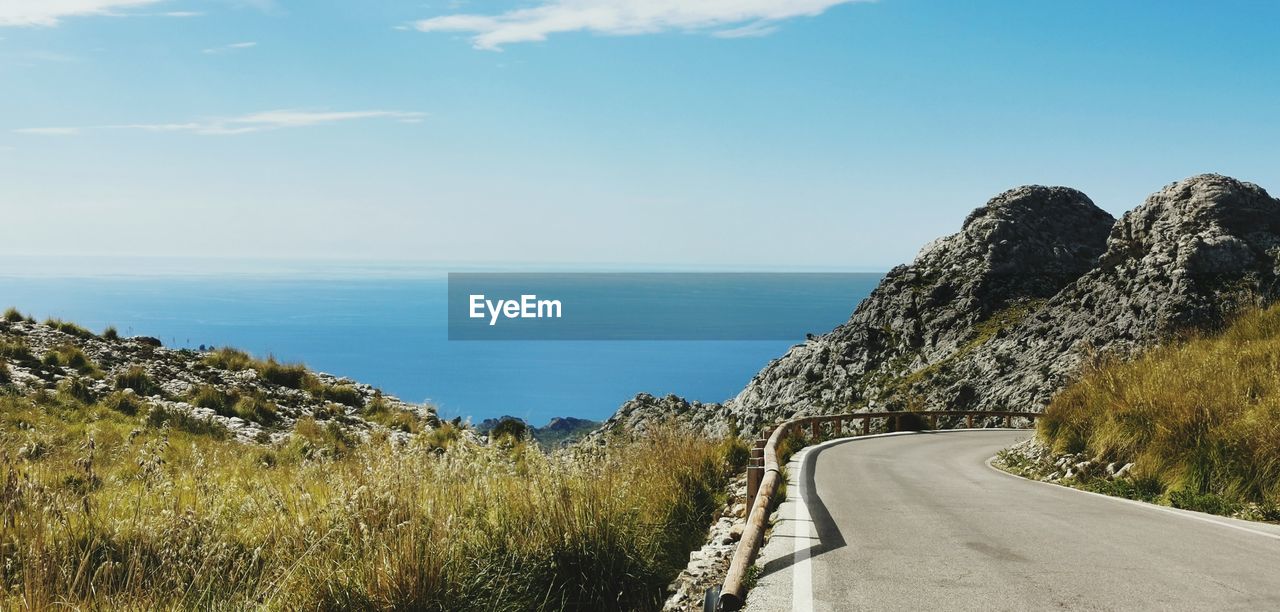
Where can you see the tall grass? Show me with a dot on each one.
(13, 315)
(70, 356)
(136, 378)
(67, 327)
(137, 512)
(1200, 416)
(292, 375)
(229, 358)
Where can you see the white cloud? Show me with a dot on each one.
(231, 47)
(49, 12)
(751, 30)
(626, 17)
(244, 124)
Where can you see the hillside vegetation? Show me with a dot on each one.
(1199, 418)
(114, 495)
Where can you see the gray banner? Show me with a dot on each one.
(651, 306)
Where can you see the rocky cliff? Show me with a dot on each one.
(1002, 314)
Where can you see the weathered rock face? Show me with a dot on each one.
(643, 411)
(1022, 247)
(1185, 259)
(1003, 313)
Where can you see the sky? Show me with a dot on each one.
(763, 134)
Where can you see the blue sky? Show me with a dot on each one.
(757, 133)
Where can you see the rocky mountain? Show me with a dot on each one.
(252, 400)
(1003, 314)
(557, 432)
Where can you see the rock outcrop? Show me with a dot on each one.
(1002, 314)
(58, 357)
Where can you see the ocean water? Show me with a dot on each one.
(390, 330)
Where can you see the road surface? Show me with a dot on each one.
(922, 522)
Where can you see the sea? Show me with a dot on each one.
(386, 324)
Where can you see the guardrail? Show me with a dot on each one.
(763, 476)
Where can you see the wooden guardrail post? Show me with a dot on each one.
(839, 427)
(968, 421)
(933, 421)
(1008, 421)
(813, 428)
(866, 426)
(755, 469)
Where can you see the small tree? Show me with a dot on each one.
(511, 428)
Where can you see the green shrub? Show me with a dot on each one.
(257, 409)
(378, 410)
(12, 315)
(16, 351)
(346, 395)
(124, 403)
(6, 376)
(110, 333)
(376, 405)
(214, 399)
(1142, 489)
(75, 388)
(68, 328)
(228, 358)
(514, 429)
(398, 420)
(1204, 502)
(136, 378)
(70, 356)
(790, 444)
(736, 453)
(292, 375)
(312, 440)
(442, 437)
(159, 416)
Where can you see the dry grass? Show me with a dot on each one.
(1200, 416)
(107, 510)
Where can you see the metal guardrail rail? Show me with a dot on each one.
(763, 476)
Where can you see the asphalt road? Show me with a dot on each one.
(921, 522)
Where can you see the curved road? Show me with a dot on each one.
(921, 522)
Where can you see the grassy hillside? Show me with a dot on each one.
(118, 501)
(1199, 418)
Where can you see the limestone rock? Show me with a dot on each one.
(1002, 314)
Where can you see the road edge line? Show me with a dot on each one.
(802, 565)
(1187, 514)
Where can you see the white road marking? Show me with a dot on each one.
(805, 536)
(1187, 514)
